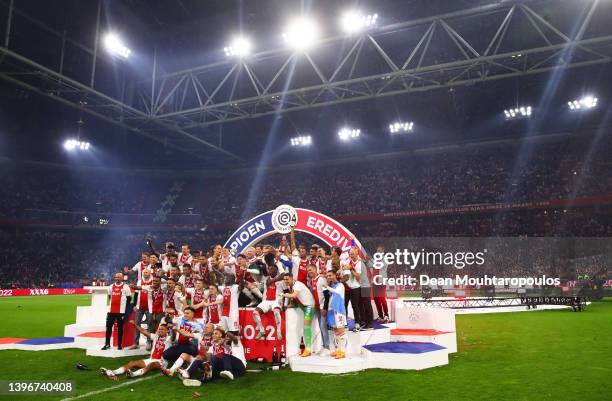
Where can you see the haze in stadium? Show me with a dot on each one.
(305, 199)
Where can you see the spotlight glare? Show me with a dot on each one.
(240, 47)
(301, 34)
(518, 112)
(346, 134)
(401, 127)
(74, 144)
(585, 103)
(305, 140)
(115, 46)
(355, 21)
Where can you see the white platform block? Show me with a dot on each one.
(88, 342)
(415, 317)
(327, 364)
(385, 360)
(73, 330)
(115, 353)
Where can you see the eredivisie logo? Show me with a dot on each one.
(284, 218)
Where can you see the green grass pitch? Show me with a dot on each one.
(543, 355)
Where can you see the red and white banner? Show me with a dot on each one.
(25, 292)
(264, 348)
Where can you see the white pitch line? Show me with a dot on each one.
(104, 390)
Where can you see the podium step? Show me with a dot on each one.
(327, 364)
(446, 339)
(406, 355)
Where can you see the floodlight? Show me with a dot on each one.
(518, 112)
(401, 127)
(346, 134)
(354, 21)
(115, 46)
(301, 34)
(301, 141)
(74, 144)
(240, 47)
(585, 103)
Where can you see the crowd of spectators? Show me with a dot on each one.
(483, 174)
(472, 175)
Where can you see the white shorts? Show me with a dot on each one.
(266, 306)
(336, 320)
(229, 323)
(149, 361)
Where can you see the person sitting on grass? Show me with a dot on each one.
(161, 341)
(205, 341)
(222, 363)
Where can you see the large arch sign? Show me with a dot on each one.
(282, 219)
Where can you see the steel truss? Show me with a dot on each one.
(490, 42)
(576, 302)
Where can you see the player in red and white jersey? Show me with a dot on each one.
(160, 340)
(228, 262)
(142, 305)
(198, 299)
(118, 293)
(223, 363)
(213, 261)
(229, 313)
(181, 298)
(214, 305)
(205, 341)
(156, 302)
(282, 247)
(245, 280)
(271, 303)
(201, 267)
(185, 256)
(316, 260)
(317, 284)
(170, 298)
(139, 267)
(187, 278)
(185, 343)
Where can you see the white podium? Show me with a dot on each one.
(90, 318)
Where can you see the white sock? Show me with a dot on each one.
(139, 372)
(257, 293)
(342, 339)
(177, 364)
(334, 341)
(248, 294)
(277, 319)
(119, 371)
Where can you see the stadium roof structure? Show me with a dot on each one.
(490, 41)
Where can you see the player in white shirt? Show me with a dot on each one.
(270, 303)
(351, 273)
(303, 299)
(139, 267)
(161, 341)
